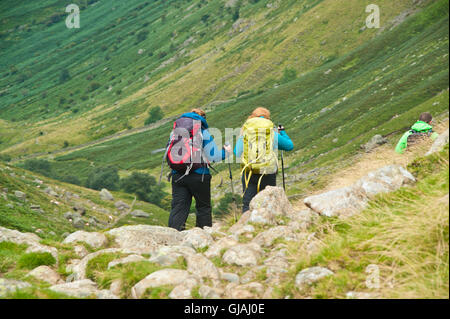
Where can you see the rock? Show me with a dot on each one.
(144, 239)
(267, 237)
(37, 209)
(70, 215)
(78, 223)
(216, 248)
(159, 278)
(121, 205)
(311, 275)
(79, 269)
(269, 204)
(183, 291)
(350, 200)
(126, 260)
(93, 239)
(201, 266)
(374, 142)
(230, 277)
(116, 287)
(81, 251)
(197, 238)
(10, 286)
(79, 209)
(246, 291)
(345, 201)
(32, 240)
(106, 195)
(385, 179)
(20, 195)
(207, 292)
(140, 213)
(359, 295)
(45, 273)
(243, 255)
(168, 255)
(439, 143)
(51, 192)
(82, 289)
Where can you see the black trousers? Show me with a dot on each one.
(182, 192)
(252, 189)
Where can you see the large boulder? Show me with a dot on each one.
(93, 239)
(164, 277)
(126, 260)
(350, 200)
(169, 255)
(270, 203)
(144, 239)
(345, 201)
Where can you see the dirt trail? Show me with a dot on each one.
(363, 163)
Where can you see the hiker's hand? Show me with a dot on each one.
(227, 148)
(280, 128)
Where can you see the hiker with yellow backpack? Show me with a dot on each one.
(257, 148)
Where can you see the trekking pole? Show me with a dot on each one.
(232, 187)
(282, 162)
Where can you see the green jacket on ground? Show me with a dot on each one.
(418, 127)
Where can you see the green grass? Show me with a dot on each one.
(32, 260)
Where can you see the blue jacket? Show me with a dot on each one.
(211, 151)
(282, 141)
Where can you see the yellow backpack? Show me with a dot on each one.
(258, 156)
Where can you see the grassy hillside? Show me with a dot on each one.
(48, 221)
(379, 87)
(191, 53)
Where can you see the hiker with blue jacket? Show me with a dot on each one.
(191, 148)
(256, 146)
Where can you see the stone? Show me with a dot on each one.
(168, 255)
(82, 289)
(93, 239)
(20, 195)
(359, 295)
(311, 275)
(121, 205)
(183, 290)
(78, 223)
(10, 286)
(267, 237)
(201, 266)
(207, 292)
(79, 269)
(159, 278)
(145, 239)
(216, 248)
(246, 291)
(116, 287)
(230, 277)
(81, 251)
(197, 238)
(32, 240)
(243, 255)
(106, 195)
(272, 199)
(126, 260)
(140, 213)
(45, 273)
(374, 142)
(439, 143)
(51, 192)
